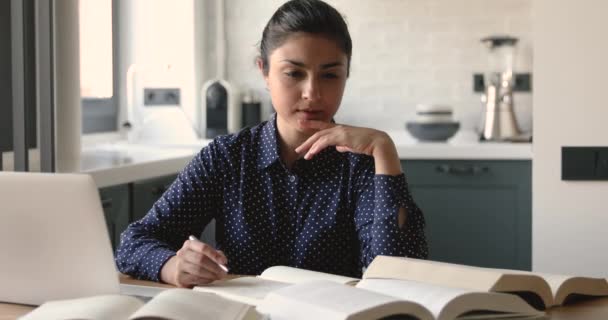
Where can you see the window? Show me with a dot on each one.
(96, 49)
(97, 66)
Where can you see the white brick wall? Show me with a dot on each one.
(404, 52)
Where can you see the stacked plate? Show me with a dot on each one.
(433, 123)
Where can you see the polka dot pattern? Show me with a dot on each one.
(331, 214)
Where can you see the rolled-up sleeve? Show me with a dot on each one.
(185, 208)
(380, 197)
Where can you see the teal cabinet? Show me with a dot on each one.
(115, 202)
(123, 204)
(146, 193)
(477, 212)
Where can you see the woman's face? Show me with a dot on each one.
(306, 80)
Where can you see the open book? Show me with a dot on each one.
(540, 290)
(253, 289)
(396, 299)
(291, 293)
(171, 304)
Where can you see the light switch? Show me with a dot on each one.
(584, 163)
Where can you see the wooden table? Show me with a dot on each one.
(596, 309)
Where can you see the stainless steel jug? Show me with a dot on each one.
(498, 119)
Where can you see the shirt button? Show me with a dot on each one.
(292, 178)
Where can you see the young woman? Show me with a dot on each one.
(297, 190)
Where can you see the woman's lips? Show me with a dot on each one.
(310, 114)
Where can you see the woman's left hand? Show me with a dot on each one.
(367, 141)
(345, 138)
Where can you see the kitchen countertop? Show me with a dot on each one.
(121, 162)
(463, 146)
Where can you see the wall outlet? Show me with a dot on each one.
(162, 96)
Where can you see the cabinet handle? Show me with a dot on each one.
(462, 170)
(106, 203)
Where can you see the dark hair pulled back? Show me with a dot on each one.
(309, 16)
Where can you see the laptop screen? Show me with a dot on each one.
(53, 239)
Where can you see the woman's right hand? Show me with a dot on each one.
(196, 263)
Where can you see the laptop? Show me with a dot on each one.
(53, 239)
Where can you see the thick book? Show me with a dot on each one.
(292, 293)
(170, 304)
(390, 299)
(541, 290)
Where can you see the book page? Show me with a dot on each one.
(439, 273)
(90, 308)
(554, 281)
(296, 275)
(448, 302)
(140, 291)
(328, 300)
(433, 297)
(250, 290)
(562, 286)
(459, 276)
(184, 304)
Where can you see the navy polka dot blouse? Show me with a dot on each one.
(331, 213)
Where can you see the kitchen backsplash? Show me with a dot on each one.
(405, 52)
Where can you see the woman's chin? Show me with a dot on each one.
(307, 130)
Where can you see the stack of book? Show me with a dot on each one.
(391, 288)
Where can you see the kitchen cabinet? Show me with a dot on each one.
(115, 202)
(146, 192)
(477, 212)
(123, 204)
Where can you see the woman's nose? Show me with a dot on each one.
(311, 90)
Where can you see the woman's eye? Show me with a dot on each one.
(330, 76)
(294, 74)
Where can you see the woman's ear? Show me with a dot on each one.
(260, 65)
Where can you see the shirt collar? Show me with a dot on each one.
(268, 152)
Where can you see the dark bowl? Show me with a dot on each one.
(438, 131)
